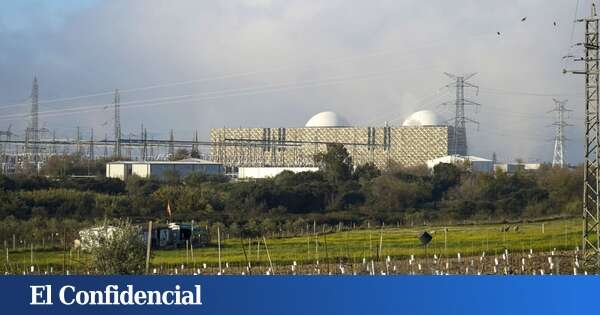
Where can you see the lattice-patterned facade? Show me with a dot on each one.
(297, 147)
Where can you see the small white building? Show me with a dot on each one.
(147, 169)
(511, 168)
(265, 172)
(532, 166)
(476, 164)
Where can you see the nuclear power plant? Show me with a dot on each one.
(423, 136)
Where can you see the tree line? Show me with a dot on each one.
(338, 192)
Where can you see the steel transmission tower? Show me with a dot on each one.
(105, 147)
(33, 132)
(144, 148)
(117, 101)
(78, 141)
(91, 148)
(458, 143)
(171, 144)
(558, 158)
(591, 176)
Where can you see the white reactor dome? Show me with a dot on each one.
(423, 118)
(326, 119)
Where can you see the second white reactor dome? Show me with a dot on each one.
(423, 118)
(327, 119)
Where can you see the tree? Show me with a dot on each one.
(121, 251)
(336, 163)
(75, 164)
(392, 194)
(366, 171)
(171, 177)
(6, 183)
(445, 176)
(196, 179)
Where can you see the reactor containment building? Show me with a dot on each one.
(423, 136)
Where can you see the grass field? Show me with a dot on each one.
(349, 246)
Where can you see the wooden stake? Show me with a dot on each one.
(246, 256)
(308, 246)
(565, 235)
(268, 255)
(326, 253)
(187, 253)
(258, 250)
(347, 247)
(6, 248)
(192, 245)
(65, 251)
(446, 241)
(380, 244)
(370, 245)
(219, 245)
(148, 245)
(316, 241)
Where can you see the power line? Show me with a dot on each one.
(247, 73)
(570, 49)
(526, 93)
(217, 94)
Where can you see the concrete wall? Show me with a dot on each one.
(141, 170)
(159, 170)
(406, 146)
(148, 169)
(118, 170)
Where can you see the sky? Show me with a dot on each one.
(195, 65)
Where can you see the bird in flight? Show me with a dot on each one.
(498, 33)
(523, 19)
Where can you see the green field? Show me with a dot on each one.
(348, 246)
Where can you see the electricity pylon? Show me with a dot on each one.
(591, 176)
(558, 159)
(117, 148)
(458, 143)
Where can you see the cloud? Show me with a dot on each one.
(281, 61)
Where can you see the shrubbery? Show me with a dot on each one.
(338, 193)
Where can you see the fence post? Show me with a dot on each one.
(149, 243)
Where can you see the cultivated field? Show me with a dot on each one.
(524, 248)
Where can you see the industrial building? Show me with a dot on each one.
(266, 172)
(511, 168)
(157, 169)
(475, 163)
(423, 136)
